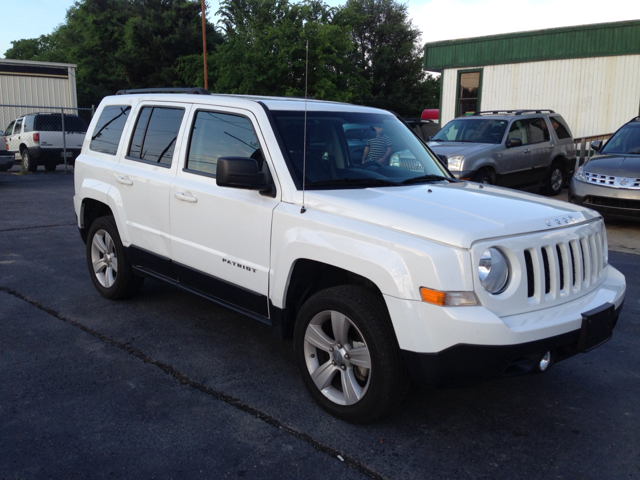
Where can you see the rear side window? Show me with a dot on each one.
(216, 135)
(561, 127)
(28, 124)
(538, 131)
(18, 126)
(154, 137)
(106, 136)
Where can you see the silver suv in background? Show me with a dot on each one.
(511, 148)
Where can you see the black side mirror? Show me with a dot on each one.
(596, 145)
(514, 142)
(242, 172)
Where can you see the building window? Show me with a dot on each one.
(468, 92)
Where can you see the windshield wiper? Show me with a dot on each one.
(428, 178)
(355, 182)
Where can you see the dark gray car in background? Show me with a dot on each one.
(511, 148)
(610, 181)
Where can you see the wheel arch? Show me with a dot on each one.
(90, 210)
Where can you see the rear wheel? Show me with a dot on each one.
(348, 356)
(554, 180)
(27, 162)
(108, 263)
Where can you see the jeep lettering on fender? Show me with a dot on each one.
(393, 271)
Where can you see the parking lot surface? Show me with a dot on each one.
(166, 385)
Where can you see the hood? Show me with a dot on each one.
(450, 149)
(615, 165)
(456, 214)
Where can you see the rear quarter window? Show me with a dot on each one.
(108, 131)
(561, 127)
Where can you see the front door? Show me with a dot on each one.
(220, 236)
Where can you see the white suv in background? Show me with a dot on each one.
(380, 273)
(38, 139)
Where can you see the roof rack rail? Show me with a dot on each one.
(189, 90)
(514, 112)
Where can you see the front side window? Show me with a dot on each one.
(216, 135)
(479, 130)
(9, 130)
(108, 131)
(354, 150)
(624, 141)
(519, 130)
(538, 131)
(155, 135)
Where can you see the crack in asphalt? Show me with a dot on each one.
(37, 226)
(218, 395)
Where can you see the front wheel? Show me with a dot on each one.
(108, 264)
(348, 356)
(482, 176)
(554, 180)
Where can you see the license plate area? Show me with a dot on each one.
(597, 327)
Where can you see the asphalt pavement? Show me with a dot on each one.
(167, 385)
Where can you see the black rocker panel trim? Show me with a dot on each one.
(220, 291)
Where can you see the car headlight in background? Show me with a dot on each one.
(579, 175)
(455, 163)
(493, 271)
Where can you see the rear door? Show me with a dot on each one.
(541, 147)
(143, 178)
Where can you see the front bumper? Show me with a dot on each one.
(611, 202)
(468, 364)
(445, 346)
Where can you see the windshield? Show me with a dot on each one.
(480, 130)
(625, 141)
(354, 150)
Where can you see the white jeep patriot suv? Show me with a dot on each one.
(289, 212)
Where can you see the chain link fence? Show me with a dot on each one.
(44, 136)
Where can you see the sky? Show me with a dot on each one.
(437, 19)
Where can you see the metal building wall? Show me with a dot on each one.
(594, 95)
(39, 90)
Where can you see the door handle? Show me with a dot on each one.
(124, 180)
(186, 198)
(551, 146)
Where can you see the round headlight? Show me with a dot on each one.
(493, 271)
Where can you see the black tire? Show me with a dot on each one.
(28, 163)
(366, 328)
(104, 245)
(483, 176)
(554, 180)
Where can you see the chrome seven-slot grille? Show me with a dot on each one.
(611, 181)
(567, 267)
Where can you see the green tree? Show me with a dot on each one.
(264, 52)
(388, 55)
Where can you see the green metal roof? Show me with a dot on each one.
(599, 40)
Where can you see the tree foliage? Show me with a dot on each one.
(366, 52)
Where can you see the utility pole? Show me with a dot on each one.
(204, 46)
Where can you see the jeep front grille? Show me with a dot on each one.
(567, 267)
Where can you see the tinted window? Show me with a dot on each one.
(53, 123)
(9, 129)
(27, 126)
(561, 127)
(626, 140)
(518, 130)
(216, 135)
(538, 131)
(479, 130)
(155, 134)
(106, 136)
